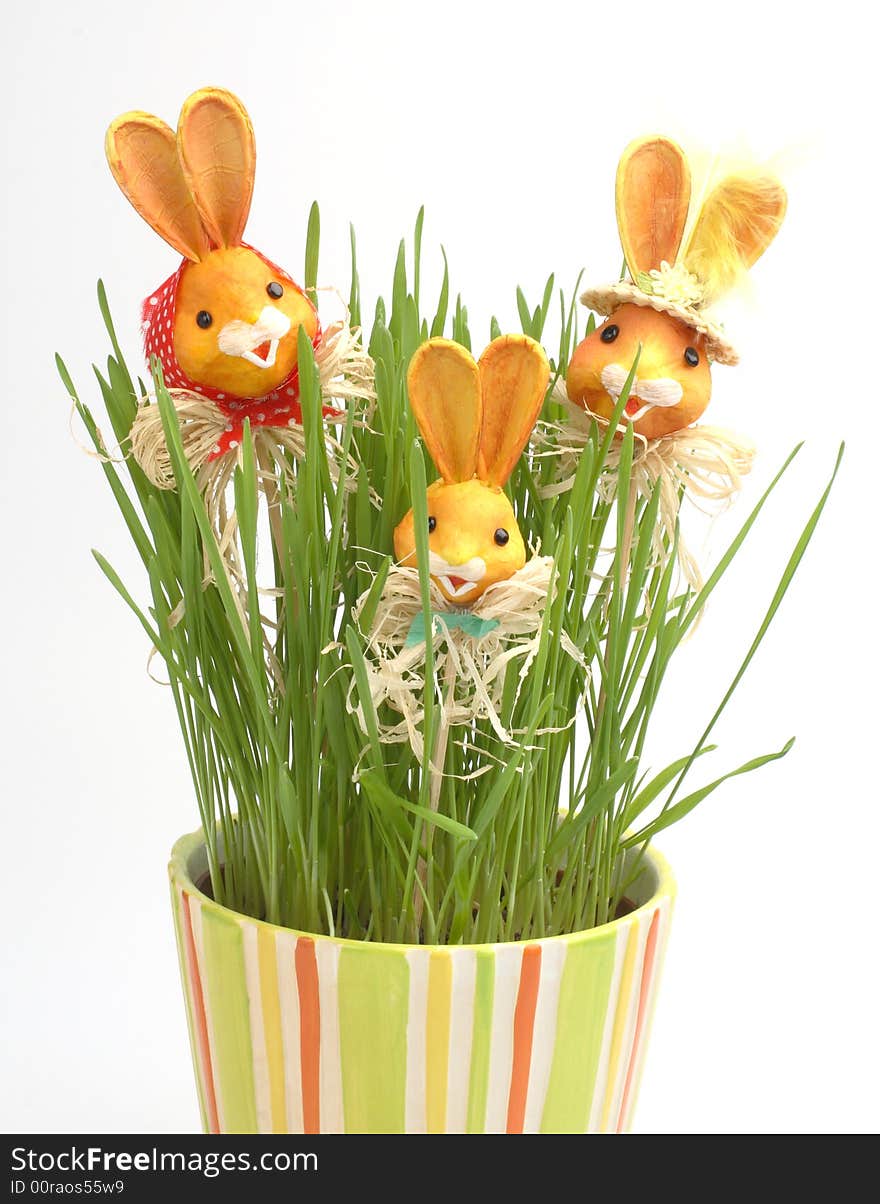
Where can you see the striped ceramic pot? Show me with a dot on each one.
(293, 1033)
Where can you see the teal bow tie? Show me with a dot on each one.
(470, 624)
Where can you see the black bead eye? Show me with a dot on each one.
(204, 319)
(692, 356)
(275, 290)
(609, 334)
(432, 524)
(501, 537)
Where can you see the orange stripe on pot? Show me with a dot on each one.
(309, 1032)
(523, 1033)
(201, 1019)
(644, 990)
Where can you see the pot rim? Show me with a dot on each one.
(186, 846)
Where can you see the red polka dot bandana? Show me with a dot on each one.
(279, 408)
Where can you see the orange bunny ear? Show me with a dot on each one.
(652, 197)
(142, 153)
(514, 373)
(215, 140)
(736, 225)
(444, 392)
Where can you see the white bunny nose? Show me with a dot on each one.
(243, 338)
(457, 579)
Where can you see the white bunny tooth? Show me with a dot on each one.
(268, 362)
(470, 574)
(272, 323)
(640, 413)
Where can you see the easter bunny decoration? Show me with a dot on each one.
(680, 264)
(224, 326)
(663, 307)
(475, 419)
(487, 598)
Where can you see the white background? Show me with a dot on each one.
(506, 121)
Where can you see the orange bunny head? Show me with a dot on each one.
(661, 308)
(673, 384)
(475, 419)
(225, 324)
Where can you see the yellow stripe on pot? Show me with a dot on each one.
(583, 1000)
(272, 1027)
(230, 1016)
(664, 914)
(373, 1013)
(437, 1044)
(621, 1023)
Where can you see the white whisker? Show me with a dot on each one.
(661, 391)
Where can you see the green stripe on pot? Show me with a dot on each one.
(580, 1024)
(225, 981)
(481, 1047)
(373, 1015)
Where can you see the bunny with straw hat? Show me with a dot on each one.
(660, 333)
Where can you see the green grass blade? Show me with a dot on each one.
(381, 792)
(671, 815)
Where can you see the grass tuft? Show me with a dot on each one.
(330, 830)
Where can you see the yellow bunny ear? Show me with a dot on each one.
(652, 198)
(514, 373)
(215, 140)
(142, 153)
(736, 225)
(444, 392)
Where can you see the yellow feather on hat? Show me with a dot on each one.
(736, 224)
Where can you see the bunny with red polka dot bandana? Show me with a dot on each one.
(225, 325)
